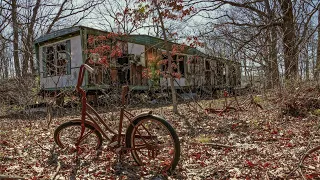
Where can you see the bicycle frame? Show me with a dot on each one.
(144, 137)
(86, 107)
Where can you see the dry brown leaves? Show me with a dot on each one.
(255, 144)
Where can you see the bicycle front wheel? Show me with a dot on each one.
(67, 135)
(154, 143)
(310, 166)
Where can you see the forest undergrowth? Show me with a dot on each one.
(250, 144)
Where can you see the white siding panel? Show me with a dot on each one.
(76, 52)
(60, 82)
(164, 82)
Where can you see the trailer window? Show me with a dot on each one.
(179, 61)
(56, 59)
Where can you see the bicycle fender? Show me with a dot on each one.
(145, 114)
(86, 122)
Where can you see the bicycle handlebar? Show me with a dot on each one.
(81, 76)
(88, 68)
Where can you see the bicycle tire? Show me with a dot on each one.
(310, 165)
(131, 137)
(64, 126)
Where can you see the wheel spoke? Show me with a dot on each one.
(153, 144)
(86, 135)
(310, 166)
(67, 136)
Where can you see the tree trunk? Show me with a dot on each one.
(313, 58)
(166, 44)
(289, 40)
(307, 62)
(271, 62)
(274, 59)
(318, 50)
(268, 61)
(28, 56)
(4, 59)
(6, 68)
(2, 68)
(246, 75)
(15, 28)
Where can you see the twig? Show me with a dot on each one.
(57, 171)
(49, 114)
(267, 176)
(42, 147)
(300, 171)
(2, 176)
(215, 145)
(298, 167)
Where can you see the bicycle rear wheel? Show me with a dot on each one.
(67, 134)
(154, 143)
(310, 166)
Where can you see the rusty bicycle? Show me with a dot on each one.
(151, 140)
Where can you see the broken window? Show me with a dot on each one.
(207, 65)
(178, 64)
(56, 59)
(194, 65)
(221, 73)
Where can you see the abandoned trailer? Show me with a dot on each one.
(61, 53)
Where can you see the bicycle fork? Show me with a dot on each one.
(83, 117)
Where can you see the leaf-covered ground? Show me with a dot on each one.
(253, 144)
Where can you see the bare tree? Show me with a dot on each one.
(68, 9)
(30, 19)
(28, 46)
(273, 69)
(289, 40)
(4, 22)
(173, 90)
(114, 16)
(15, 28)
(317, 72)
(4, 59)
(261, 19)
(248, 30)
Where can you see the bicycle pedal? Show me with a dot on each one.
(113, 144)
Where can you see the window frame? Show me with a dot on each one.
(56, 52)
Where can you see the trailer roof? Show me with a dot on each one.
(56, 34)
(136, 38)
